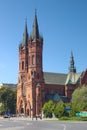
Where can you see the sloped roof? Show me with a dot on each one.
(73, 78)
(55, 78)
(12, 86)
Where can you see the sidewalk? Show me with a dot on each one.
(28, 118)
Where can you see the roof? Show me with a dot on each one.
(73, 78)
(12, 86)
(55, 78)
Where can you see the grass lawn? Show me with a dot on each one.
(73, 118)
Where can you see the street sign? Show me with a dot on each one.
(82, 114)
(68, 109)
(8, 113)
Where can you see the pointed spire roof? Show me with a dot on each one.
(72, 67)
(35, 30)
(25, 35)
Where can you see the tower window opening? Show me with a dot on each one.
(22, 65)
(38, 75)
(29, 60)
(33, 60)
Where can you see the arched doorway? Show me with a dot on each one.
(28, 113)
(22, 110)
(28, 109)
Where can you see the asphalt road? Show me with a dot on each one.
(13, 124)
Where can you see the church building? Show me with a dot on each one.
(36, 87)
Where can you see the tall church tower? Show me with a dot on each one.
(30, 89)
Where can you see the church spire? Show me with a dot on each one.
(72, 68)
(25, 35)
(35, 31)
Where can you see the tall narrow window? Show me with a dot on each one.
(38, 60)
(19, 65)
(29, 61)
(22, 65)
(33, 60)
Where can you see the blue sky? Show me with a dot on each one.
(63, 24)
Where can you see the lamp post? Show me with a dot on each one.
(38, 97)
(32, 109)
(23, 93)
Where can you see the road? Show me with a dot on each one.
(13, 124)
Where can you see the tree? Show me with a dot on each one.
(2, 108)
(79, 100)
(12, 101)
(8, 98)
(59, 109)
(48, 108)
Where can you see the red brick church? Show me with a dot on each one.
(36, 87)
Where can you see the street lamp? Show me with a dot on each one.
(38, 98)
(23, 93)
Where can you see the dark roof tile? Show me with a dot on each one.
(55, 78)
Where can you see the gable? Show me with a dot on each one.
(73, 78)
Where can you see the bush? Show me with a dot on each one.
(64, 118)
(59, 109)
(84, 118)
(48, 109)
(73, 118)
(79, 100)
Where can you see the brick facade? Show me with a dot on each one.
(34, 85)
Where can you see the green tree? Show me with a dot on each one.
(59, 109)
(12, 101)
(2, 108)
(79, 100)
(48, 109)
(8, 98)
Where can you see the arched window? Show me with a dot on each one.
(19, 65)
(38, 75)
(29, 60)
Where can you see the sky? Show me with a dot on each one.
(63, 25)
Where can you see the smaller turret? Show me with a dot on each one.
(72, 68)
(25, 35)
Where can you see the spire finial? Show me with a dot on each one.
(35, 11)
(71, 53)
(26, 21)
